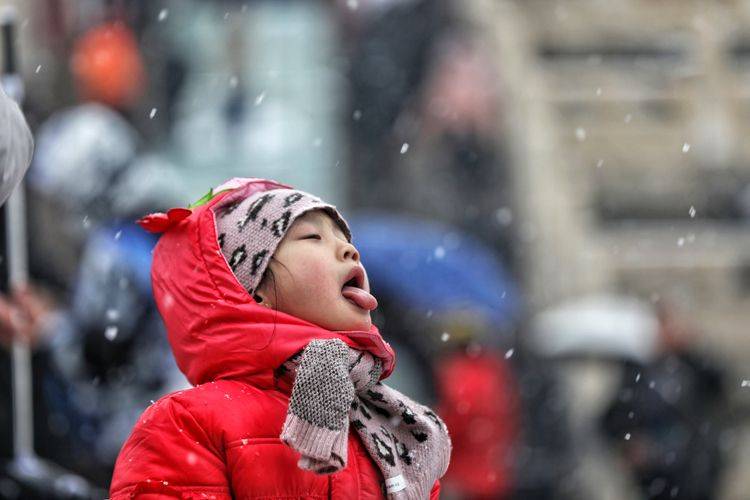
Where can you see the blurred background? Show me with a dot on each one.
(551, 197)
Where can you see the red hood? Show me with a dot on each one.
(215, 328)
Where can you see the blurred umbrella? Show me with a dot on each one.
(599, 325)
(430, 266)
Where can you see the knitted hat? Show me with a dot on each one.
(251, 228)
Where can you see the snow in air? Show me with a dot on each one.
(581, 134)
(259, 99)
(509, 353)
(404, 147)
(445, 336)
(110, 332)
(685, 147)
(152, 114)
(163, 13)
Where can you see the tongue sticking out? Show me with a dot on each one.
(360, 297)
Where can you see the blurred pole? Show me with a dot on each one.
(15, 223)
(45, 479)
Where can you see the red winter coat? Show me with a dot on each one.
(220, 439)
(478, 401)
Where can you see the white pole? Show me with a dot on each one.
(15, 222)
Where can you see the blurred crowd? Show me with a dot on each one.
(390, 109)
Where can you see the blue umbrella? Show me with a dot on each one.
(431, 266)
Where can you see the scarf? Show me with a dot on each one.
(335, 386)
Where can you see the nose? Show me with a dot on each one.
(348, 251)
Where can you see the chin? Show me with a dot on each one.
(356, 324)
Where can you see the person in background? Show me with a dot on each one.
(665, 418)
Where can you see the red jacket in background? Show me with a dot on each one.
(220, 439)
(478, 401)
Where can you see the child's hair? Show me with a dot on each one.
(269, 276)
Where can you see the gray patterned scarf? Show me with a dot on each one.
(335, 386)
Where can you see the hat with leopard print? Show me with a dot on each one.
(249, 229)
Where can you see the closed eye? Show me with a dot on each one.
(313, 236)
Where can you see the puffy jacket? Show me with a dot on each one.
(220, 439)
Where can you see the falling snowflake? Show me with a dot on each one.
(38, 69)
(163, 13)
(504, 216)
(745, 383)
(581, 134)
(509, 353)
(445, 336)
(404, 148)
(692, 212)
(685, 147)
(111, 332)
(152, 114)
(260, 98)
(439, 252)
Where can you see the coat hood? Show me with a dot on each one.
(216, 329)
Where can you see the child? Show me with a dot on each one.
(267, 309)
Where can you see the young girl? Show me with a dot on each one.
(267, 308)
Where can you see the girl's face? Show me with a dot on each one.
(310, 268)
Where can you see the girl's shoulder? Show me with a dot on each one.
(226, 409)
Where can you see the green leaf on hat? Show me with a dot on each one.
(206, 198)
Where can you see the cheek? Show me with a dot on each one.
(313, 280)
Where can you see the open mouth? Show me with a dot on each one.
(354, 290)
(355, 278)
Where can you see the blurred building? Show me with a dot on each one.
(628, 123)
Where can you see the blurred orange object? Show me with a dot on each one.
(107, 65)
